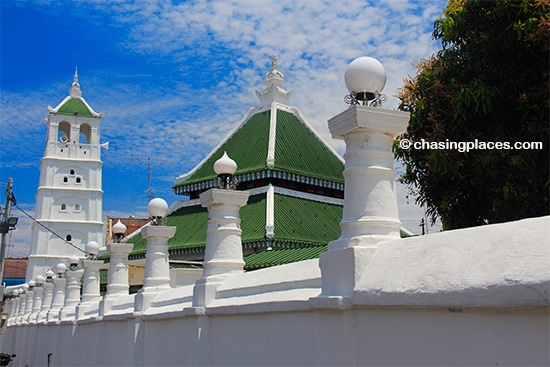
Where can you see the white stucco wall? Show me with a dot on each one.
(476, 296)
(365, 336)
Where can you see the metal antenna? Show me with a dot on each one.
(149, 192)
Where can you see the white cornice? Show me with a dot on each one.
(59, 221)
(70, 189)
(62, 159)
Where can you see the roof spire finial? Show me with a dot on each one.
(75, 91)
(274, 62)
(274, 77)
(274, 81)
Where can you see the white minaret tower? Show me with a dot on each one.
(69, 197)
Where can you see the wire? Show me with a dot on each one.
(49, 230)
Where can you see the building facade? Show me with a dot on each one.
(69, 196)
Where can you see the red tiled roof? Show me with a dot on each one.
(132, 225)
(15, 268)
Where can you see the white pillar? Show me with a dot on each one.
(90, 281)
(370, 213)
(47, 298)
(223, 255)
(118, 282)
(28, 306)
(90, 287)
(21, 308)
(8, 308)
(157, 267)
(37, 303)
(14, 309)
(58, 299)
(72, 294)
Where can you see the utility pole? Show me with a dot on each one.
(8, 223)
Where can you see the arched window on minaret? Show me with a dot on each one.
(64, 131)
(85, 134)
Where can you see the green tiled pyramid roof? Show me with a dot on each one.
(72, 106)
(299, 150)
(298, 223)
(248, 147)
(306, 221)
(299, 154)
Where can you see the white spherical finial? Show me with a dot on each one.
(73, 259)
(16, 292)
(365, 75)
(61, 268)
(50, 273)
(225, 165)
(157, 208)
(92, 248)
(119, 228)
(31, 283)
(25, 287)
(39, 279)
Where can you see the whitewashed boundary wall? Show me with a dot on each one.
(364, 337)
(476, 296)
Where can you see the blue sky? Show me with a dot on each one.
(174, 77)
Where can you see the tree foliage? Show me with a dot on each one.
(488, 82)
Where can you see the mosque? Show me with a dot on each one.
(283, 254)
